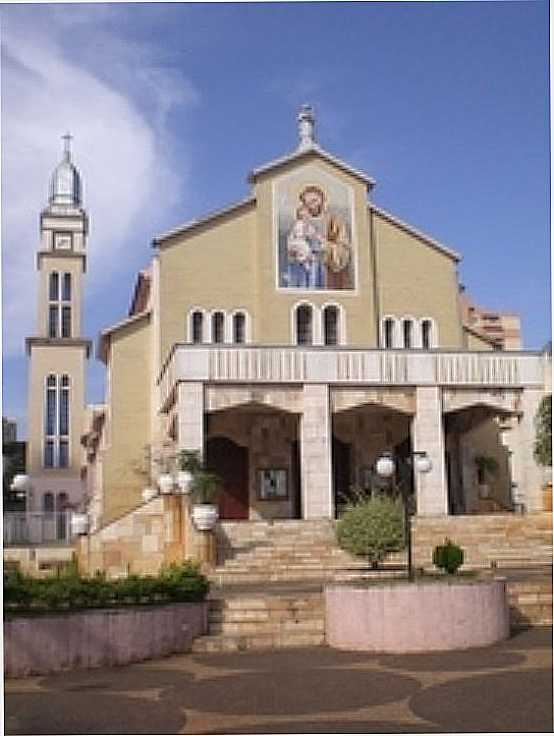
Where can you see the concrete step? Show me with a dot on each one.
(530, 603)
(240, 643)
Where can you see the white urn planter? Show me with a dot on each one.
(166, 483)
(184, 481)
(148, 494)
(79, 524)
(204, 516)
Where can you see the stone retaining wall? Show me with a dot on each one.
(506, 539)
(39, 561)
(51, 643)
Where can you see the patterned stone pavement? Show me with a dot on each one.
(505, 688)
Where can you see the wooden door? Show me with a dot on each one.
(230, 462)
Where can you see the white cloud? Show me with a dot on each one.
(116, 102)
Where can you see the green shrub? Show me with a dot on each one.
(177, 582)
(448, 556)
(372, 527)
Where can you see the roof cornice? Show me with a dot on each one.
(313, 150)
(413, 231)
(58, 342)
(207, 219)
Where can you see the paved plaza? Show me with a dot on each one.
(504, 688)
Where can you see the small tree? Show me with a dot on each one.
(372, 527)
(543, 437)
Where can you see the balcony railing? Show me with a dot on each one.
(345, 366)
(37, 528)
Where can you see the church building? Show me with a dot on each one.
(292, 338)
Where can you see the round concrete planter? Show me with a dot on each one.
(416, 617)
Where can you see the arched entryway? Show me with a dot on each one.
(230, 462)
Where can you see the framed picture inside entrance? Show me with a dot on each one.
(272, 484)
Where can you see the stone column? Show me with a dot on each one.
(428, 435)
(315, 454)
(190, 408)
(527, 475)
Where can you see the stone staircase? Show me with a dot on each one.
(263, 621)
(530, 603)
(288, 550)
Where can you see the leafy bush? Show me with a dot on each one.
(448, 556)
(372, 527)
(177, 582)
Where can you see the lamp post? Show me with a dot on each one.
(386, 468)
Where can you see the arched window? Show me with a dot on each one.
(197, 322)
(331, 325)
(304, 325)
(239, 327)
(61, 501)
(48, 503)
(388, 332)
(218, 327)
(56, 421)
(426, 334)
(408, 333)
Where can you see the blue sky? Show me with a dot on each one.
(445, 104)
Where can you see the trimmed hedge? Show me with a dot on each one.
(175, 583)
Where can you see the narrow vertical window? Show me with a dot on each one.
(197, 326)
(426, 334)
(218, 323)
(388, 333)
(49, 454)
(304, 325)
(66, 290)
(64, 406)
(50, 424)
(56, 421)
(64, 454)
(66, 321)
(48, 503)
(239, 324)
(407, 328)
(331, 325)
(54, 288)
(53, 318)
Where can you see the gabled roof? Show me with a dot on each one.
(417, 233)
(104, 337)
(306, 151)
(192, 224)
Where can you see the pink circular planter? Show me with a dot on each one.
(416, 617)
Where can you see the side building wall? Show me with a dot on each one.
(128, 418)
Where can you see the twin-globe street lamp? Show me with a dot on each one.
(386, 468)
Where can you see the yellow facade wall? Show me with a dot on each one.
(128, 430)
(414, 279)
(211, 267)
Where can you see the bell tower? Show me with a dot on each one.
(58, 352)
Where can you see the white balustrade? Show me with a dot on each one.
(277, 365)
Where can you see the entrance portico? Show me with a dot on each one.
(309, 396)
